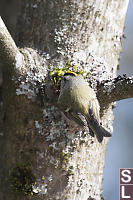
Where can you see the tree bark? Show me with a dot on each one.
(44, 156)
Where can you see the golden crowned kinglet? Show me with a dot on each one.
(78, 101)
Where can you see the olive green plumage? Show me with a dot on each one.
(78, 101)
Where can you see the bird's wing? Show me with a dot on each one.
(71, 115)
(79, 119)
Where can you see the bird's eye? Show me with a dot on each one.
(64, 79)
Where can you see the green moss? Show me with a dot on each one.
(57, 73)
(43, 178)
(21, 179)
(65, 159)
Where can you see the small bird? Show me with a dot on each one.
(78, 101)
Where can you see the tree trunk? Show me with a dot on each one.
(42, 155)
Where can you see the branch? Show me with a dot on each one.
(114, 90)
(9, 53)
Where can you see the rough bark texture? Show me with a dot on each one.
(37, 143)
(115, 89)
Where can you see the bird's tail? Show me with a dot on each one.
(97, 129)
(100, 132)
